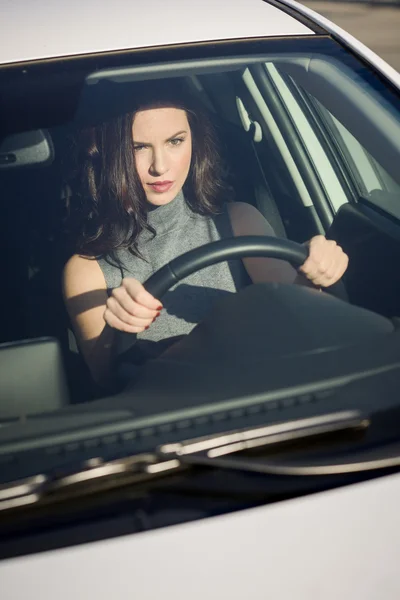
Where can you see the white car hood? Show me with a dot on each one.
(344, 543)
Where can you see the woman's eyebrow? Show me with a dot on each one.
(137, 143)
(176, 134)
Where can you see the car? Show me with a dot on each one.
(257, 455)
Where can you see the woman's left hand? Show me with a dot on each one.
(326, 262)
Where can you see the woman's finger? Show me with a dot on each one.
(131, 306)
(113, 321)
(337, 268)
(133, 320)
(138, 293)
(326, 262)
(341, 268)
(315, 270)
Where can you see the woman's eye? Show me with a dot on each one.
(138, 148)
(176, 141)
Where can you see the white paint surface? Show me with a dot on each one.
(350, 41)
(34, 29)
(343, 544)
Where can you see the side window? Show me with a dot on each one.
(336, 150)
(371, 179)
(334, 189)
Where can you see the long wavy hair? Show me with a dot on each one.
(112, 202)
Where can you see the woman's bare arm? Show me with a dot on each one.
(325, 265)
(95, 316)
(85, 296)
(247, 220)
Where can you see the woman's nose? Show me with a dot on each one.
(159, 162)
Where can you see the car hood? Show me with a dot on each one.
(342, 543)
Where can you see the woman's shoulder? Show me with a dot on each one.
(246, 219)
(82, 273)
(242, 209)
(81, 263)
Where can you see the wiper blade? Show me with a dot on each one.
(208, 451)
(387, 457)
(268, 435)
(95, 475)
(215, 451)
(21, 492)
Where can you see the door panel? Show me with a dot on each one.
(372, 241)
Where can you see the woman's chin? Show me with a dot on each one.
(161, 199)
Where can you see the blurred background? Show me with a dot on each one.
(376, 23)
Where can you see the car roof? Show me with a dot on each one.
(42, 29)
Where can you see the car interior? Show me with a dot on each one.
(283, 380)
(278, 118)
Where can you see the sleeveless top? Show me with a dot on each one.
(178, 229)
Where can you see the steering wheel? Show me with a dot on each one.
(210, 254)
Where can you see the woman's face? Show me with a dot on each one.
(163, 150)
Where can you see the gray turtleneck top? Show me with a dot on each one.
(178, 230)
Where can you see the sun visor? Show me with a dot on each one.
(107, 98)
(109, 93)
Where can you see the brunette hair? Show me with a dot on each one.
(112, 202)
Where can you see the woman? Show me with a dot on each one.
(155, 190)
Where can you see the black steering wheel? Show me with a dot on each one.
(210, 254)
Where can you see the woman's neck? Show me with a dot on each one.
(167, 216)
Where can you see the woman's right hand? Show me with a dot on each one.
(131, 308)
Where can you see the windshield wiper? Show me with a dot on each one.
(246, 439)
(91, 476)
(95, 475)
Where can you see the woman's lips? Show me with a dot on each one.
(161, 186)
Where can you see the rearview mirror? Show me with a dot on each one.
(31, 148)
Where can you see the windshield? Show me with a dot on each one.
(193, 244)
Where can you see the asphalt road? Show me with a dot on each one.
(378, 27)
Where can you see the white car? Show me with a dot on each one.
(265, 474)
